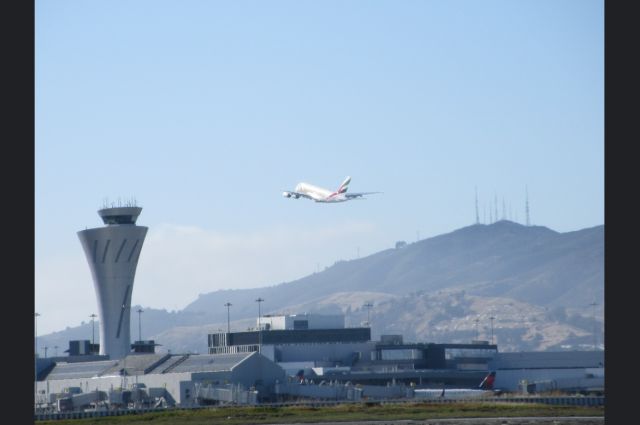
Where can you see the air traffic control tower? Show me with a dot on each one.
(112, 252)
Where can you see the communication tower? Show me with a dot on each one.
(477, 214)
(526, 205)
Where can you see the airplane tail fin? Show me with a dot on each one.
(344, 186)
(487, 382)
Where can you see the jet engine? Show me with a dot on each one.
(286, 194)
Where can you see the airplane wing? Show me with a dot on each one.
(296, 195)
(357, 195)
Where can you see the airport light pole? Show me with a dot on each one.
(93, 331)
(36, 315)
(45, 348)
(595, 324)
(228, 304)
(140, 311)
(477, 334)
(35, 357)
(491, 318)
(368, 306)
(259, 300)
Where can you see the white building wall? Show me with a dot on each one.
(272, 322)
(171, 382)
(181, 387)
(314, 321)
(257, 368)
(268, 351)
(176, 384)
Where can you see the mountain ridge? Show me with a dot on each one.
(403, 270)
(543, 270)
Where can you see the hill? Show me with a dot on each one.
(530, 264)
(433, 289)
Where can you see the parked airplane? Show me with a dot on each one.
(485, 389)
(320, 194)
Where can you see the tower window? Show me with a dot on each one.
(119, 219)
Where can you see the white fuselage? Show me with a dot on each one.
(319, 194)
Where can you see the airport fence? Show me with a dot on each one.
(564, 401)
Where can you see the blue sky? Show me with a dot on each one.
(206, 111)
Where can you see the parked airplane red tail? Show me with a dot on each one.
(487, 382)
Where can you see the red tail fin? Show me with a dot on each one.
(344, 186)
(487, 382)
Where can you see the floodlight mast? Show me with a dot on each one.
(140, 311)
(35, 357)
(492, 319)
(259, 300)
(228, 304)
(368, 306)
(93, 330)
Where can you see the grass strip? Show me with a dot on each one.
(339, 413)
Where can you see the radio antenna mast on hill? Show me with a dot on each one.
(504, 209)
(526, 205)
(477, 214)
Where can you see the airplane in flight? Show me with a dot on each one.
(319, 194)
(485, 389)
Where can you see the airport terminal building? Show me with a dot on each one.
(284, 352)
(305, 342)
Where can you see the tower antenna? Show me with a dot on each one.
(526, 205)
(504, 209)
(477, 214)
(496, 206)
